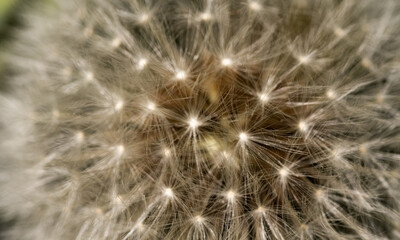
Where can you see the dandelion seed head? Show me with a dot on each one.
(250, 119)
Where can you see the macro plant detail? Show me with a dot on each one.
(203, 119)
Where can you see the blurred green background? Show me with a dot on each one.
(6, 7)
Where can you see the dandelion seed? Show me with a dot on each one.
(380, 98)
(167, 152)
(243, 137)
(255, 6)
(56, 113)
(303, 126)
(194, 123)
(119, 150)
(116, 42)
(336, 153)
(99, 211)
(118, 200)
(304, 59)
(79, 136)
(180, 75)
(119, 105)
(339, 32)
(67, 71)
(199, 219)
(144, 18)
(303, 227)
(226, 62)
(89, 76)
(205, 16)
(151, 106)
(141, 63)
(331, 94)
(230, 196)
(260, 210)
(363, 149)
(367, 63)
(319, 194)
(168, 192)
(263, 97)
(225, 154)
(140, 226)
(283, 172)
(88, 32)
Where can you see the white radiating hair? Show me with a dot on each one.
(202, 119)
